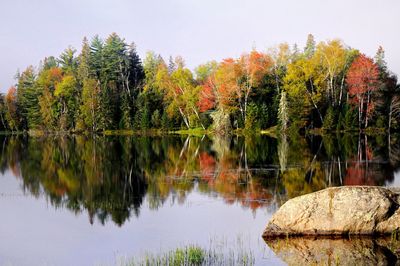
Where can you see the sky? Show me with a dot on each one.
(197, 30)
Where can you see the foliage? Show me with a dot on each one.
(107, 87)
(329, 122)
(11, 116)
(363, 81)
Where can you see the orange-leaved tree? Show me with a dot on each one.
(11, 105)
(250, 70)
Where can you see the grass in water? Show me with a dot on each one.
(194, 255)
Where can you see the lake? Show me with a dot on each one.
(102, 200)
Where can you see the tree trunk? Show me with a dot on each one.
(185, 120)
(366, 111)
(2, 120)
(315, 106)
(341, 91)
(360, 106)
(390, 116)
(333, 92)
(245, 109)
(198, 116)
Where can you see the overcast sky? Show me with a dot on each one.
(198, 30)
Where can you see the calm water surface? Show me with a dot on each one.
(103, 200)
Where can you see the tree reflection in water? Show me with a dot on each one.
(111, 177)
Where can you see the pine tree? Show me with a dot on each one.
(27, 99)
(329, 120)
(145, 119)
(349, 119)
(132, 85)
(309, 49)
(96, 58)
(126, 112)
(380, 59)
(105, 63)
(83, 71)
(136, 71)
(156, 119)
(171, 65)
(68, 61)
(165, 123)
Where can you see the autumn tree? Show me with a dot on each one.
(304, 90)
(11, 115)
(47, 81)
(65, 93)
(206, 100)
(281, 56)
(205, 77)
(150, 105)
(363, 81)
(3, 112)
(331, 58)
(231, 85)
(106, 86)
(181, 93)
(90, 106)
(204, 71)
(249, 70)
(222, 88)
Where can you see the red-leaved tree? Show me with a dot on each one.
(207, 96)
(363, 80)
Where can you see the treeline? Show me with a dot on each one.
(107, 87)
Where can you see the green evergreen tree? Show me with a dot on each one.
(96, 58)
(350, 119)
(329, 119)
(83, 70)
(68, 61)
(156, 119)
(165, 123)
(27, 99)
(309, 49)
(145, 119)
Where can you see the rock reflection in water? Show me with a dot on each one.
(336, 251)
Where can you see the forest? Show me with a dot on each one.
(326, 86)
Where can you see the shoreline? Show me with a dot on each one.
(271, 132)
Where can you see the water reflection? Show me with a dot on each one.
(325, 251)
(111, 177)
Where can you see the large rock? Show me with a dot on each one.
(358, 210)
